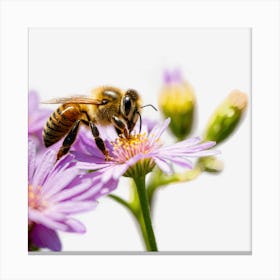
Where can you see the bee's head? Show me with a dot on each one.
(129, 104)
(130, 108)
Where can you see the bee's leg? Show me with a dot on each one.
(120, 126)
(98, 140)
(119, 132)
(68, 140)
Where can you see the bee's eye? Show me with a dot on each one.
(127, 105)
(104, 101)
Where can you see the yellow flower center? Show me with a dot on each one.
(126, 148)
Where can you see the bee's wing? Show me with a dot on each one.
(74, 100)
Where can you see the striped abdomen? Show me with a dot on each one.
(60, 122)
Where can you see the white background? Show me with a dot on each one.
(262, 16)
(210, 214)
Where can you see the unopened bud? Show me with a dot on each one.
(177, 101)
(211, 164)
(226, 117)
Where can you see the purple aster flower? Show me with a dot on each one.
(37, 118)
(57, 191)
(139, 154)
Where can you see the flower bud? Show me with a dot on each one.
(226, 117)
(210, 164)
(177, 101)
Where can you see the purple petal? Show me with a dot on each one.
(37, 120)
(98, 189)
(134, 159)
(64, 163)
(77, 187)
(147, 125)
(108, 173)
(108, 133)
(44, 237)
(163, 165)
(191, 141)
(202, 153)
(92, 165)
(182, 145)
(31, 160)
(182, 149)
(56, 216)
(167, 78)
(56, 183)
(88, 158)
(44, 168)
(172, 77)
(108, 187)
(40, 218)
(90, 193)
(204, 146)
(119, 170)
(74, 225)
(157, 131)
(182, 162)
(177, 76)
(85, 145)
(73, 207)
(33, 101)
(115, 171)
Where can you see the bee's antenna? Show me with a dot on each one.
(150, 106)
(140, 119)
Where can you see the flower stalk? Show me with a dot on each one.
(146, 214)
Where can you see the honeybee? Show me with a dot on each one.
(104, 106)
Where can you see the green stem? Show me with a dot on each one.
(144, 232)
(145, 208)
(124, 203)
